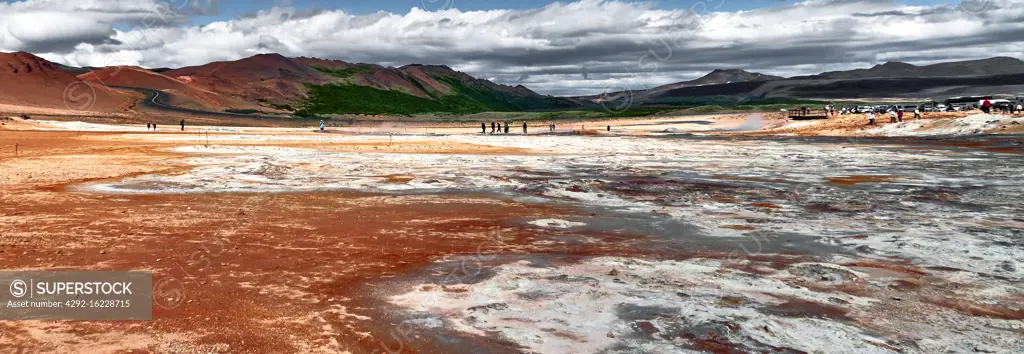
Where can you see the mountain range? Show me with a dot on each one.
(984, 67)
(997, 75)
(272, 83)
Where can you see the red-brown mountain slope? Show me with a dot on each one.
(28, 80)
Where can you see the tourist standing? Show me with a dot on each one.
(892, 116)
(917, 113)
(899, 116)
(492, 127)
(483, 128)
(871, 118)
(183, 125)
(524, 127)
(506, 127)
(986, 106)
(321, 126)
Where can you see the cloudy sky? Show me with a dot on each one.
(558, 48)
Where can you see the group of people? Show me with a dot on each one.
(496, 127)
(830, 110)
(895, 116)
(151, 125)
(986, 106)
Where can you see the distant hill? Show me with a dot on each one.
(983, 67)
(28, 80)
(74, 69)
(269, 79)
(725, 76)
(714, 78)
(182, 92)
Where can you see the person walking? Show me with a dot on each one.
(1020, 108)
(154, 126)
(483, 128)
(871, 118)
(148, 125)
(506, 127)
(492, 127)
(524, 127)
(899, 116)
(986, 106)
(609, 127)
(917, 113)
(183, 125)
(892, 116)
(321, 126)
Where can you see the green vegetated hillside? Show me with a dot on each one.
(350, 97)
(346, 72)
(355, 99)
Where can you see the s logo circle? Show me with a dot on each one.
(19, 288)
(79, 96)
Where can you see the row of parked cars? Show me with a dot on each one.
(910, 108)
(931, 107)
(899, 107)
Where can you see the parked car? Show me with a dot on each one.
(864, 109)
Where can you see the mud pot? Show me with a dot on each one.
(328, 243)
